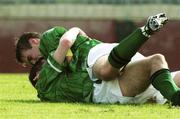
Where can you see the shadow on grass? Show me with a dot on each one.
(34, 101)
(22, 101)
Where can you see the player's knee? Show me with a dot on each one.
(158, 59)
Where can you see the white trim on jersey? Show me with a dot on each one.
(56, 69)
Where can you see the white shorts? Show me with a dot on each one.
(110, 92)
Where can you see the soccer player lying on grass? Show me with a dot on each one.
(116, 74)
(56, 88)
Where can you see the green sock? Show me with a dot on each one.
(163, 82)
(127, 48)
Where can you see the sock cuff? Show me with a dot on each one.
(117, 61)
(157, 73)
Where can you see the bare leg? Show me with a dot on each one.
(136, 77)
(104, 70)
(177, 78)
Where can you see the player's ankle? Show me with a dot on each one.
(145, 31)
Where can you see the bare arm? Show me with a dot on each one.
(66, 41)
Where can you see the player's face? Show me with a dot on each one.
(30, 56)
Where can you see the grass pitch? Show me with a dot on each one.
(18, 101)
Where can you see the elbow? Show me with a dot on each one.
(66, 43)
(77, 28)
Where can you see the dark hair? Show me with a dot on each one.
(34, 70)
(22, 43)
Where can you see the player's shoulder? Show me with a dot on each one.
(56, 29)
(59, 28)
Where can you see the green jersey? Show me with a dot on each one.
(68, 81)
(50, 40)
(56, 84)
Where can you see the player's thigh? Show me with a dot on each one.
(135, 77)
(104, 70)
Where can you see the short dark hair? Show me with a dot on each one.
(22, 43)
(34, 70)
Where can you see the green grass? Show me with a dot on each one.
(18, 101)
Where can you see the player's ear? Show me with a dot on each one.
(16, 39)
(34, 41)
